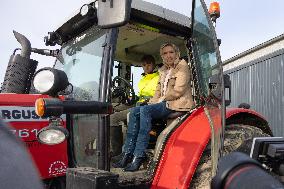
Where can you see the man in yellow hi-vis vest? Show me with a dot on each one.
(147, 87)
(148, 83)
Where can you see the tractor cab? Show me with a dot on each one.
(83, 57)
(101, 61)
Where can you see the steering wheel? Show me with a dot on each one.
(123, 91)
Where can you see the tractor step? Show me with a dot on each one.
(91, 178)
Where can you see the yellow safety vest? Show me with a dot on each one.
(147, 86)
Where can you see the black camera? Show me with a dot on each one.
(269, 151)
(238, 170)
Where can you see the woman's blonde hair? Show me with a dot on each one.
(176, 49)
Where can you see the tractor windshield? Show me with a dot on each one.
(81, 60)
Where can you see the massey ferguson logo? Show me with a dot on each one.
(18, 113)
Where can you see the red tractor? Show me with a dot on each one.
(75, 133)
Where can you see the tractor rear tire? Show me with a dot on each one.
(237, 138)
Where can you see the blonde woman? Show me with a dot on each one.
(173, 93)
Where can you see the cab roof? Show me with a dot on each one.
(161, 12)
(141, 11)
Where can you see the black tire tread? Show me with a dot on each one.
(237, 138)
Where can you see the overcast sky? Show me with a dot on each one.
(243, 23)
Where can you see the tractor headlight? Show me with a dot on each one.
(52, 135)
(50, 81)
(84, 9)
(87, 9)
(43, 81)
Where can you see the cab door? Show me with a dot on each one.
(186, 144)
(209, 73)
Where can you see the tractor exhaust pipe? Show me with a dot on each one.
(20, 69)
(25, 43)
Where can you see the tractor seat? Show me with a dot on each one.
(175, 115)
(158, 125)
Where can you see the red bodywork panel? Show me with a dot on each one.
(185, 147)
(18, 111)
(233, 111)
(182, 152)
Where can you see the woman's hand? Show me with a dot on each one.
(161, 99)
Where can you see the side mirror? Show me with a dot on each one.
(113, 13)
(228, 90)
(214, 80)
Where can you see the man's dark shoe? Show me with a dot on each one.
(122, 160)
(135, 164)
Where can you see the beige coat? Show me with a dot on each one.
(178, 94)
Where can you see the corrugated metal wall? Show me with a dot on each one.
(260, 83)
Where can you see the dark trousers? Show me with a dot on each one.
(139, 126)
